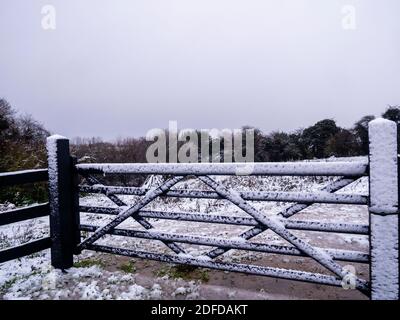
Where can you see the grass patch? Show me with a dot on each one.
(128, 267)
(7, 285)
(86, 263)
(184, 272)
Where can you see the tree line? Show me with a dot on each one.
(322, 140)
(23, 146)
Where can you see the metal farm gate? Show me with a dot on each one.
(381, 169)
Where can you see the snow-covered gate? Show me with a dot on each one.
(382, 170)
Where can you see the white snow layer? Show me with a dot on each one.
(261, 168)
(385, 257)
(383, 166)
(53, 170)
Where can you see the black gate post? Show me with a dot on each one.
(64, 217)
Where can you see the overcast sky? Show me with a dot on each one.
(119, 68)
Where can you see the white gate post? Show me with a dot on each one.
(383, 210)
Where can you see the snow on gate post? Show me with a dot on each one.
(383, 210)
(64, 216)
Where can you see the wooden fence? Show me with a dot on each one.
(21, 214)
(381, 170)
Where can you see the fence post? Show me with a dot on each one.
(63, 213)
(383, 210)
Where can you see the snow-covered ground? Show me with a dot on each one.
(100, 276)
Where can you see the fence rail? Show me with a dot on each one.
(343, 255)
(8, 179)
(26, 213)
(301, 197)
(23, 177)
(231, 219)
(25, 249)
(348, 169)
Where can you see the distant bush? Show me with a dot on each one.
(22, 146)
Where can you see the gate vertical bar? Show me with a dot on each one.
(63, 220)
(75, 205)
(383, 210)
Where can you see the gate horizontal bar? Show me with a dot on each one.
(22, 177)
(21, 214)
(300, 197)
(343, 255)
(247, 169)
(236, 220)
(25, 249)
(296, 275)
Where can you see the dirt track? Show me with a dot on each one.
(228, 285)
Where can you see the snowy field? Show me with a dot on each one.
(103, 276)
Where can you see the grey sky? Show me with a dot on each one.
(120, 68)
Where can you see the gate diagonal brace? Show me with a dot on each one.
(143, 222)
(286, 213)
(125, 214)
(279, 228)
(114, 198)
